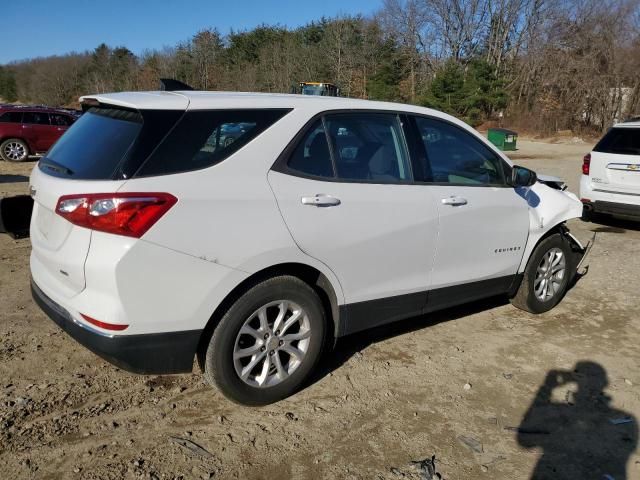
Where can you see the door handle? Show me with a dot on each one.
(454, 201)
(321, 200)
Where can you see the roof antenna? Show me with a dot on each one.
(171, 85)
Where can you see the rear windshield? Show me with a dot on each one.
(623, 141)
(95, 145)
(110, 143)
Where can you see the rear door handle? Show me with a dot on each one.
(454, 201)
(321, 200)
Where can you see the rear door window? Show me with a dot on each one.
(369, 147)
(621, 140)
(312, 155)
(60, 120)
(203, 138)
(36, 118)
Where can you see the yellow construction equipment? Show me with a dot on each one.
(317, 88)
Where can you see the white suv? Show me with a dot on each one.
(610, 181)
(159, 237)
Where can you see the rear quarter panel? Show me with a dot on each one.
(227, 214)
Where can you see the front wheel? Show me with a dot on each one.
(546, 278)
(267, 343)
(14, 150)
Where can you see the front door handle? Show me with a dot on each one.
(454, 201)
(321, 200)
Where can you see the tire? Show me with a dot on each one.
(14, 150)
(537, 301)
(231, 353)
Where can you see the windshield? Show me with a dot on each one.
(312, 90)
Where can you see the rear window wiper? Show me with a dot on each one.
(55, 166)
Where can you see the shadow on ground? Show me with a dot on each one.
(13, 178)
(348, 346)
(581, 436)
(608, 224)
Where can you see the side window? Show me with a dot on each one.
(312, 156)
(369, 147)
(60, 120)
(203, 138)
(455, 156)
(224, 135)
(11, 117)
(37, 118)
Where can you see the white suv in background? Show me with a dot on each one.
(610, 181)
(158, 237)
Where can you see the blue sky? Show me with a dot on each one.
(33, 28)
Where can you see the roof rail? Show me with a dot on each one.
(171, 85)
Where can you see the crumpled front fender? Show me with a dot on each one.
(548, 208)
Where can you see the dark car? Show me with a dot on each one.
(28, 130)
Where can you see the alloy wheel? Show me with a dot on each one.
(550, 274)
(15, 151)
(271, 344)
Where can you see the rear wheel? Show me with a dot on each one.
(547, 275)
(267, 343)
(14, 150)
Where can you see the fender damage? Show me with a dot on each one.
(550, 208)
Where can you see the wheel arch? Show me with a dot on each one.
(308, 274)
(560, 228)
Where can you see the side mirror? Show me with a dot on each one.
(522, 177)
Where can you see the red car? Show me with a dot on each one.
(28, 130)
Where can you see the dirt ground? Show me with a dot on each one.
(457, 384)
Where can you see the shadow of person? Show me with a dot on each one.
(347, 347)
(580, 435)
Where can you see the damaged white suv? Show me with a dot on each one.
(251, 230)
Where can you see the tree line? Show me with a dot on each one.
(545, 65)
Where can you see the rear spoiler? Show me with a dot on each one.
(172, 85)
(15, 215)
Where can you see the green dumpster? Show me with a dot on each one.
(502, 138)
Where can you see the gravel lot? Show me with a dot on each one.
(457, 385)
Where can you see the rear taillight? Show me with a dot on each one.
(586, 163)
(130, 214)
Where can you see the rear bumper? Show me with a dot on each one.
(154, 353)
(597, 199)
(611, 208)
